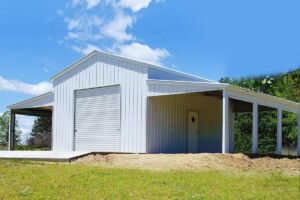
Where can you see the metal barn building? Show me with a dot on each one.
(107, 103)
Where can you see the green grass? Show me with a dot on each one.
(41, 180)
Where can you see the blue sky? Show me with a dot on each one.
(211, 39)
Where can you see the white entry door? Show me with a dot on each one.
(193, 131)
(97, 119)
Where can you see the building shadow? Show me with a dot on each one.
(275, 156)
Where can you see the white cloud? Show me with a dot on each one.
(86, 50)
(73, 24)
(18, 86)
(118, 26)
(134, 50)
(72, 35)
(90, 3)
(143, 53)
(84, 27)
(134, 5)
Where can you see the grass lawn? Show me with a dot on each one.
(41, 180)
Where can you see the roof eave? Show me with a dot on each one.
(30, 100)
(263, 96)
(188, 83)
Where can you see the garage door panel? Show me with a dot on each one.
(91, 119)
(96, 129)
(97, 119)
(87, 115)
(97, 104)
(103, 132)
(104, 140)
(104, 93)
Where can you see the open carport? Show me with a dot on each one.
(40, 106)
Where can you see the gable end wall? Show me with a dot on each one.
(97, 72)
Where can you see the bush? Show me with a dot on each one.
(24, 147)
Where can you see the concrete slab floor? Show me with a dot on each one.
(57, 156)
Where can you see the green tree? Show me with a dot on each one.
(4, 130)
(243, 133)
(40, 136)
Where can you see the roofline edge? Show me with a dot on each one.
(96, 52)
(31, 100)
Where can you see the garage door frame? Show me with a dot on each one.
(74, 109)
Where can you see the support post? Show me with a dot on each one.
(255, 128)
(12, 128)
(231, 127)
(225, 123)
(298, 137)
(279, 131)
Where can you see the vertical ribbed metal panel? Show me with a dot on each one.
(168, 89)
(167, 123)
(102, 71)
(97, 119)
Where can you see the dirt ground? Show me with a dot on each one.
(203, 161)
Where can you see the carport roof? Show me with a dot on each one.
(43, 100)
(235, 92)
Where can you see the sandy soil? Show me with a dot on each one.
(203, 161)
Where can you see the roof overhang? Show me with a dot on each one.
(263, 99)
(162, 87)
(42, 101)
(169, 87)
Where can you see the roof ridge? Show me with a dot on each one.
(97, 52)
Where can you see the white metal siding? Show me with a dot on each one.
(167, 89)
(97, 72)
(97, 119)
(167, 123)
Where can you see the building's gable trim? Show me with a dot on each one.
(115, 57)
(74, 65)
(31, 100)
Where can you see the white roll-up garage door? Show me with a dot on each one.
(97, 119)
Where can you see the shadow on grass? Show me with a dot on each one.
(275, 156)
